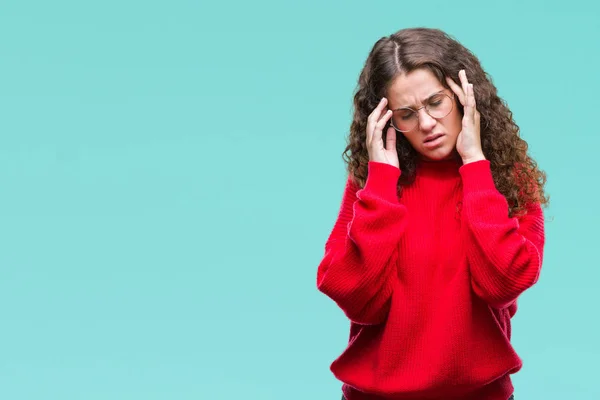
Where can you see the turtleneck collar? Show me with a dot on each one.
(449, 167)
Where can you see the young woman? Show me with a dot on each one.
(439, 231)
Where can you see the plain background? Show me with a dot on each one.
(170, 171)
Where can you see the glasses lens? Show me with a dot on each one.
(404, 120)
(439, 105)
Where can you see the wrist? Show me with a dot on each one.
(473, 158)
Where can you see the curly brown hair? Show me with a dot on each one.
(515, 173)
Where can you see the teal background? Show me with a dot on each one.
(170, 171)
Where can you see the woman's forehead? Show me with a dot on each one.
(412, 89)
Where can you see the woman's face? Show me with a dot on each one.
(433, 139)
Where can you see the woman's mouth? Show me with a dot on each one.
(433, 140)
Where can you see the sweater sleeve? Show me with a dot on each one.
(359, 265)
(505, 254)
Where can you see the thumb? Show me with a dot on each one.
(390, 140)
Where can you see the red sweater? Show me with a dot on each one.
(429, 280)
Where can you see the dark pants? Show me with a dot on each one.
(512, 397)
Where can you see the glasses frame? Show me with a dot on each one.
(452, 100)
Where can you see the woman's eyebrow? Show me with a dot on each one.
(414, 107)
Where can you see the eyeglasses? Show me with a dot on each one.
(437, 106)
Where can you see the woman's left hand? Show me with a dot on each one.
(468, 143)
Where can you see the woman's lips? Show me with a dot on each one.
(433, 140)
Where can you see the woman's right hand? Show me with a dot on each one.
(375, 147)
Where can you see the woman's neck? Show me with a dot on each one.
(449, 165)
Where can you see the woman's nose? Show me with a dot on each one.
(426, 121)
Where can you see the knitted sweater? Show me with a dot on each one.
(429, 281)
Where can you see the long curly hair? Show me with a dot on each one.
(515, 173)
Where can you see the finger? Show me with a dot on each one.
(378, 131)
(464, 81)
(374, 117)
(456, 89)
(473, 96)
(471, 101)
(376, 113)
(469, 105)
(390, 140)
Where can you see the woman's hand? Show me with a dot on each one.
(375, 147)
(468, 143)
